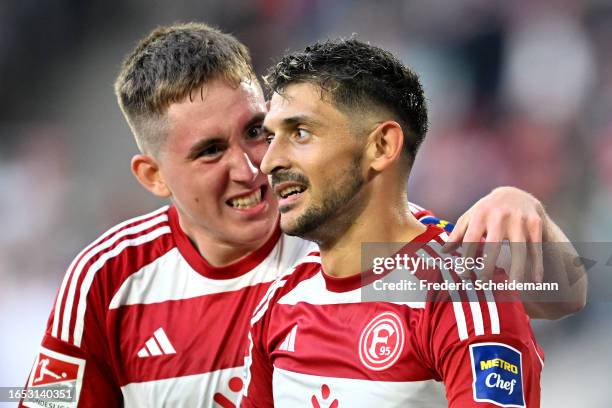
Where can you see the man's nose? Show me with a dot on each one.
(275, 158)
(242, 168)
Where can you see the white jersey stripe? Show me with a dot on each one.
(309, 259)
(293, 334)
(476, 312)
(87, 282)
(170, 277)
(60, 296)
(289, 342)
(248, 361)
(185, 391)
(284, 346)
(456, 299)
(265, 303)
(95, 251)
(461, 323)
(289, 386)
(279, 283)
(475, 307)
(492, 312)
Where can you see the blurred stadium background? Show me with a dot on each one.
(520, 93)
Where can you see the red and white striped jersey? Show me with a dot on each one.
(141, 319)
(315, 343)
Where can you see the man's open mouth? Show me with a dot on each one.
(246, 201)
(290, 190)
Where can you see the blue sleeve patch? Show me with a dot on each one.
(498, 374)
(445, 225)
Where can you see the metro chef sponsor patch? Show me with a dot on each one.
(498, 374)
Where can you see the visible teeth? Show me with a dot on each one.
(290, 190)
(248, 201)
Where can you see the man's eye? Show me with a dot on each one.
(211, 151)
(302, 134)
(254, 132)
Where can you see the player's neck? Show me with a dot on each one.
(388, 220)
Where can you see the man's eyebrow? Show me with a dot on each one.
(293, 121)
(201, 145)
(204, 143)
(257, 118)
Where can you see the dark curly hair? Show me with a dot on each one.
(358, 76)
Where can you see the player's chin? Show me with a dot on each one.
(252, 234)
(288, 223)
(256, 224)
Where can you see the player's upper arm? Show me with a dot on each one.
(74, 352)
(84, 376)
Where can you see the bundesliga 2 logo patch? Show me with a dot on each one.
(60, 375)
(498, 374)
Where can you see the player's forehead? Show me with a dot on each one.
(217, 106)
(302, 100)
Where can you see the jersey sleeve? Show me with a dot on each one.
(258, 374)
(77, 365)
(258, 369)
(484, 351)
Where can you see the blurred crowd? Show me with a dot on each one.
(520, 93)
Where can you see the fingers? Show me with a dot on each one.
(534, 233)
(505, 214)
(518, 251)
(455, 237)
(526, 250)
(472, 241)
(492, 248)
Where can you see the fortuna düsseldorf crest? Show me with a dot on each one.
(382, 341)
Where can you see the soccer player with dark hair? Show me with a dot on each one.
(344, 125)
(156, 311)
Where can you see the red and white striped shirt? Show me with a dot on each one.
(315, 342)
(141, 319)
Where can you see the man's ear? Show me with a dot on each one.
(147, 172)
(385, 145)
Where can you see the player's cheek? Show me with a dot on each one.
(257, 152)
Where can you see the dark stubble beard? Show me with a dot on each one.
(322, 221)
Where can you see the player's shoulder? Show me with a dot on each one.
(295, 251)
(418, 211)
(303, 268)
(462, 303)
(99, 269)
(128, 245)
(427, 217)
